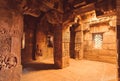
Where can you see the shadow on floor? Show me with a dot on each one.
(29, 67)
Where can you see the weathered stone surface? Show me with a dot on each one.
(54, 17)
(109, 46)
(88, 36)
(111, 39)
(99, 28)
(11, 26)
(43, 41)
(11, 30)
(61, 55)
(58, 46)
(108, 52)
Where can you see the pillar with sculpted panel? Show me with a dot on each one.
(11, 26)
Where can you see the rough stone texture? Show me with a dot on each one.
(108, 52)
(43, 30)
(58, 46)
(79, 45)
(90, 24)
(44, 42)
(65, 46)
(61, 55)
(11, 33)
(11, 26)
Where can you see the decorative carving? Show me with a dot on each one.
(4, 29)
(11, 61)
(16, 32)
(7, 61)
(54, 17)
(2, 64)
(5, 45)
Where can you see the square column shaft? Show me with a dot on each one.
(61, 59)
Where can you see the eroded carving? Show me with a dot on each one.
(4, 29)
(54, 17)
(5, 45)
(16, 32)
(7, 61)
(2, 63)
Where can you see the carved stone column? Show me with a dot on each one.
(10, 41)
(61, 59)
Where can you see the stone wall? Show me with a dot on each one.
(44, 40)
(108, 51)
(90, 25)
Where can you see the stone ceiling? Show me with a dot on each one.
(35, 7)
(56, 11)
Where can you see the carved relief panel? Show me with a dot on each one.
(7, 61)
(5, 45)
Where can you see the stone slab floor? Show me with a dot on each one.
(79, 70)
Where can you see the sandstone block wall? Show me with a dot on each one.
(108, 52)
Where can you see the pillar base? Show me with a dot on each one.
(13, 74)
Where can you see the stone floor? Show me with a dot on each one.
(79, 70)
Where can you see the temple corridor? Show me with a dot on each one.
(79, 70)
(60, 40)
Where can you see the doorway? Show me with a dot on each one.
(37, 51)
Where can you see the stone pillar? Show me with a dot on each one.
(61, 59)
(81, 53)
(72, 42)
(11, 26)
(79, 43)
(65, 46)
(118, 36)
